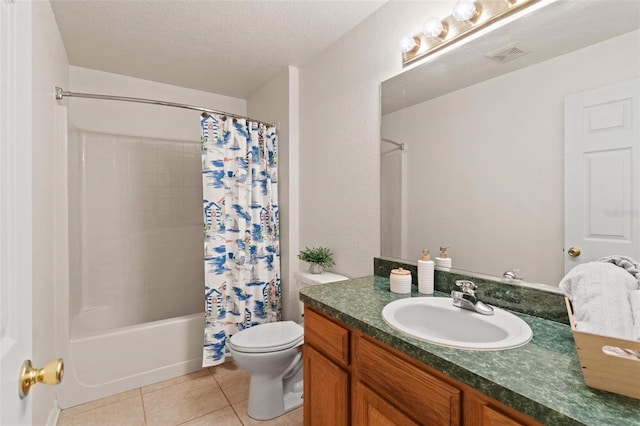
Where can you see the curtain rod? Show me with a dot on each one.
(60, 93)
(398, 144)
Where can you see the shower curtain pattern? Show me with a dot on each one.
(241, 229)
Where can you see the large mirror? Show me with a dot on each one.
(472, 149)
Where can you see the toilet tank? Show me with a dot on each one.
(304, 279)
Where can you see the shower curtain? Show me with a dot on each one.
(241, 229)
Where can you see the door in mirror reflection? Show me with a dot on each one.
(602, 173)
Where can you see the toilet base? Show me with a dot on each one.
(289, 402)
(292, 401)
(269, 399)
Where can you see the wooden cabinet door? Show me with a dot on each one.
(480, 410)
(326, 391)
(369, 409)
(491, 417)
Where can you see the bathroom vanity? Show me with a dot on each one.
(358, 370)
(387, 387)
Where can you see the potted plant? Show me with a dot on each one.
(318, 258)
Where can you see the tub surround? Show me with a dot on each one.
(542, 379)
(129, 357)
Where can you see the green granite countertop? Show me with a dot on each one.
(542, 379)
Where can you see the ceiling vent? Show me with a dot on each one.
(509, 53)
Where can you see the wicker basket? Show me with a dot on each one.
(602, 370)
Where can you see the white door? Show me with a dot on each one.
(15, 206)
(602, 173)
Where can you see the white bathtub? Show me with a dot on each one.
(124, 266)
(101, 363)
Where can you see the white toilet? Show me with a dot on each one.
(272, 354)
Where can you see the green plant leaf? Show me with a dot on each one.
(319, 255)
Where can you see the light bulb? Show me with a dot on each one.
(433, 27)
(463, 10)
(408, 43)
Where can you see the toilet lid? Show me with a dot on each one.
(269, 337)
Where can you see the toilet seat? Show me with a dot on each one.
(269, 337)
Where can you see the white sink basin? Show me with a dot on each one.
(436, 320)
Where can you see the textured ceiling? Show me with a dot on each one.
(226, 47)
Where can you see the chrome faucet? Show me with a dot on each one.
(512, 274)
(466, 299)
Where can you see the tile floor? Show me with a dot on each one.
(212, 396)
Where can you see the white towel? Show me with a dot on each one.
(626, 263)
(599, 293)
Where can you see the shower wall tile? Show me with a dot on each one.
(140, 210)
(193, 181)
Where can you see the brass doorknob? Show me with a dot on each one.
(50, 374)
(574, 252)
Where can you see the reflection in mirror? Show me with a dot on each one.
(483, 170)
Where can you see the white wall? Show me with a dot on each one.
(340, 134)
(485, 163)
(277, 102)
(50, 68)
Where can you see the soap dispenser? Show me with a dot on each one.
(443, 261)
(425, 273)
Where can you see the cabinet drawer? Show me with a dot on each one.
(327, 337)
(427, 399)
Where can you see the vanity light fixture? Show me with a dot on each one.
(468, 17)
(466, 10)
(433, 27)
(409, 44)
